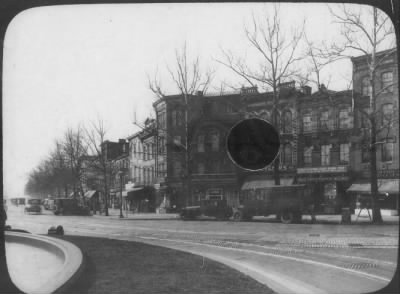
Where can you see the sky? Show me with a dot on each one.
(70, 65)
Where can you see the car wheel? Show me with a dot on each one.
(287, 217)
(237, 216)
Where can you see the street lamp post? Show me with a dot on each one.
(120, 173)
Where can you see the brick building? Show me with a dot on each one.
(387, 123)
(322, 138)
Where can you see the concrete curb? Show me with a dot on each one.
(70, 254)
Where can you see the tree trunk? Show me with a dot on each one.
(277, 179)
(376, 211)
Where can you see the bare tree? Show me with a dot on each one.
(368, 31)
(278, 54)
(95, 138)
(75, 150)
(188, 78)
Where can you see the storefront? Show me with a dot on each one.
(215, 189)
(141, 199)
(388, 197)
(328, 187)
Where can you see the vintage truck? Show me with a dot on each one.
(213, 207)
(288, 203)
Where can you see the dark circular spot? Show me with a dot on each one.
(253, 143)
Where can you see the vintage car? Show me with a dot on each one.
(49, 204)
(70, 206)
(33, 206)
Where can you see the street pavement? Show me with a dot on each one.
(325, 257)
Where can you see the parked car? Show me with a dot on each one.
(212, 206)
(70, 206)
(49, 204)
(33, 205)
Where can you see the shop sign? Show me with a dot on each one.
(322, 169)
(214, 192)
(383, 173)
(323, 178)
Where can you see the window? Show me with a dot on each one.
(144, 152)
(200, 168)
(200, 143)
(345, 118)
(176, 168)
(365, 154)
(265, 115)
(366, 88)
(344, 152)
(326, 123)
(308, 155)
(364, 120)
(387, 81)
(307, 123)
(387, 152)
(174, 115)
(325, 154)
(214, 137)
(387, 114)
(287, 122)
(287, 154)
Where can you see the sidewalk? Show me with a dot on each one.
(115, 213)
(321, 219)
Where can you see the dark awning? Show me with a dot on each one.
(90, 194)
(390, 186)
(253, 183)
(131, 193)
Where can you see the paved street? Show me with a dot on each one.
(305, 258)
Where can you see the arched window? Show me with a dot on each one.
(287, 122)
(366, 88)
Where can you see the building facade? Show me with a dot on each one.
(183, 154)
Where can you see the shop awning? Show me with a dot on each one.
(131, 192)
(89, 194)
(384, 186)
(258, 183)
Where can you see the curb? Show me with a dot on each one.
(71, 255)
